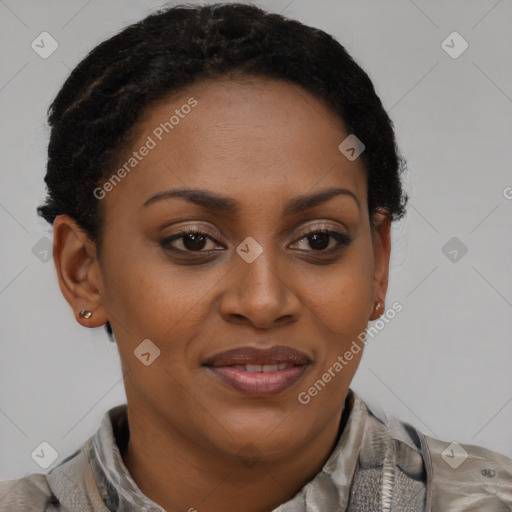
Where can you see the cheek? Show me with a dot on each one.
(151, 297)
(341, 293)
(340, 306)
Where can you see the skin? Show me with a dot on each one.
(260, 142)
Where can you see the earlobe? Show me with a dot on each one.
(76, 264)
(378, 309)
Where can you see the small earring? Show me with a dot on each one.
(379, 305)
(85, 314)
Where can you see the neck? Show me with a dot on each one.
(179, 475)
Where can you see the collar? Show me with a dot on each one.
(328, 490)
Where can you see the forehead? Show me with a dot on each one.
(253, 139)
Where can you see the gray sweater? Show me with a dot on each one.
(379, 464)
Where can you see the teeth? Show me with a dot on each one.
(253, 368)
(265, 367)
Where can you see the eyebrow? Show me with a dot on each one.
(212, 201)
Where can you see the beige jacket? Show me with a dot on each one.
(379, 464)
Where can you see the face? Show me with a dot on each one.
(263, 269)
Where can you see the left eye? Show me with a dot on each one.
(319, 239)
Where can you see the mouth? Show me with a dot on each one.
(259, 373)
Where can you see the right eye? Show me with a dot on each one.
(191, 239)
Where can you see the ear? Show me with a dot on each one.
(381, 237)
(78, 271)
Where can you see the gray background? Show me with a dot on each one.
(443, 364)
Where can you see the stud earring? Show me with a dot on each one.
(378, 306)
(85, 314)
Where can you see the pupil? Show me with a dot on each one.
(193, 241)
(316, 237)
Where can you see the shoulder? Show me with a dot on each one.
(30, 493)
(68, 487)
(459, 477)
(472, 477)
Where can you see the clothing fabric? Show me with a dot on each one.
(378, 464)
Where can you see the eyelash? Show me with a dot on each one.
(342, 239)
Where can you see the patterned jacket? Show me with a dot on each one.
(378, 464)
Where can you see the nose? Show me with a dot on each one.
(260, 293)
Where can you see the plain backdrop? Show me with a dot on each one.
(443, 363)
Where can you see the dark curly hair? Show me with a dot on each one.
(94, 116)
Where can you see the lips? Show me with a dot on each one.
(259, 372)
(257, 356)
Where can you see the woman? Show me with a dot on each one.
(222, 183)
